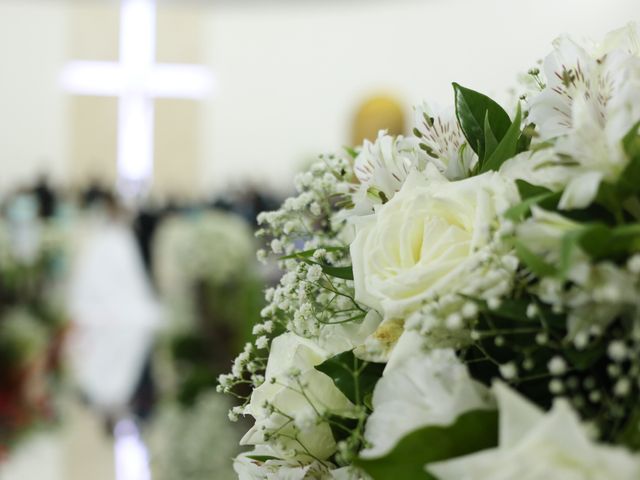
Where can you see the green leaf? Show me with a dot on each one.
(506, 148)
(351, 152)
(610, 197)
(353, 377)
(533, 262)
(471, 110)
(631, 141)
(528, 190)
(567, 247)
(595, 240)
(472, 431)
(587, 358)
(309, 253)
(525, 137)
(600, 241)
(522, 209)
(345, 273)
(625, 239)
(490, 140)
(629, 181)
(630, 435)
(341, 427)
(262, 458)
(513, 309)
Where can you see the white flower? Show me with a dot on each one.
(381, 168)
(293, 388)
(591, 100)
(597, 292)
(542, 233)
(184, 443)
(262, 463)
(341, 337)
(542, 167)
(426, 240)
(428, 389)
(534, 445)
(445, 144)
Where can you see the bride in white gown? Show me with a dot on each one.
(114, 312)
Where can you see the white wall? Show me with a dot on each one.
(290, 73)
(32, 108)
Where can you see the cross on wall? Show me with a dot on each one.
(136, 80)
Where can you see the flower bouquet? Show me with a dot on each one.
(32, 327)
(211, 291)
(209, 282)
(463, 303)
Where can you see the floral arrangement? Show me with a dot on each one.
(208, 280)
(186, 444)
(207, 276)
(32, 327)
(463, 303)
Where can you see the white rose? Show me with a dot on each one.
(425, 242)
(534, 445)
(291, 400)
(428, 389)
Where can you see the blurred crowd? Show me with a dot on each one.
(133, 311)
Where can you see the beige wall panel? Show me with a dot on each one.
(180, 34)
(93, 143)
(94, 28)
(177, 166)
(93, 35)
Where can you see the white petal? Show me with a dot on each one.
(580, 191)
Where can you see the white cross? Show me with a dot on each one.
(136, 80)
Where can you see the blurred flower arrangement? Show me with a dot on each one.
(207, 275)
(463, 303)
(193, 443)
(32, 327)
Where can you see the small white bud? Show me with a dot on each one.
(557, 366)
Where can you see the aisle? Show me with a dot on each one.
(88, 449)
(80, 449)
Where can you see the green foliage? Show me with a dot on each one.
(507, 147)
(528, 190)
(353, 377)
(629, 181)
(524, 142)
(532, 261)
(472, 431)
(487, 128)
(630, 435)
(309, 253)
(612, 195)
(351, 152)
(306, 256)
(531, 195)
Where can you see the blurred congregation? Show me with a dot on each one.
(121, 317)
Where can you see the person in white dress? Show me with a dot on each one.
(113, 309)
